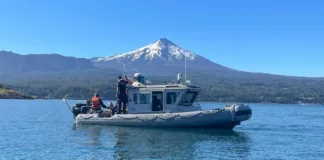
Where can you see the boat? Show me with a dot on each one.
(178, 109)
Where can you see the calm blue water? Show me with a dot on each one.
(43, 129)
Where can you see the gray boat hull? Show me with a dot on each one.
(225, 118)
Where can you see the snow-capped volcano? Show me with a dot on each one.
(162, 49)
(162, 55)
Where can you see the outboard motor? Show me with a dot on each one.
(78, 106)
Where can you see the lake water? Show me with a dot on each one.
(44, 129)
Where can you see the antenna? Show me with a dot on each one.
(185, 69)
(124, 68)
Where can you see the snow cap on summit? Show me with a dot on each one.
(162, 49)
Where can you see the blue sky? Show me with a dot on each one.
(272, 36)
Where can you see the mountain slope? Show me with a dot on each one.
(162, 56)
(12, 62)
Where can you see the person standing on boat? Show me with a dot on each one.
(121, 93)
(97, 103)
(156, 104)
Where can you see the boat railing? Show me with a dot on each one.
(84, 107)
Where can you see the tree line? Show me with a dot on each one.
(217, 89)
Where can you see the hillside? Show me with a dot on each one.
(6, 93)
(13, 62)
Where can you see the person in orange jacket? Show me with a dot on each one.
(97, 103)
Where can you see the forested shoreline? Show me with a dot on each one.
(220, 89)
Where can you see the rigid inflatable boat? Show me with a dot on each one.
(178, 109)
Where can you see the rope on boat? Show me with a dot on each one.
(182, 116)
(152, 117)
(86, 117)
(44, 115)
(163, 117)
(67, 105)
(137, 117)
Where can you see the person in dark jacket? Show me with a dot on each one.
(156, 104)
(121, 93)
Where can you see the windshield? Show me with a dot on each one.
(172, 97)
(189, 98)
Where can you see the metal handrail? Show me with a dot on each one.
(84, 107)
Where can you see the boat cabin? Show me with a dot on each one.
(161, 98)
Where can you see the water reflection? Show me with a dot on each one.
(152, 143)
(178, 144)
(95, 136)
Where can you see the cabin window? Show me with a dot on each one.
(188, 98)
(135, 98)
(172, 97)
(145, 98)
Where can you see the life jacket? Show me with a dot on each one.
(96, 102)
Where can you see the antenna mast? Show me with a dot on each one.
(124, 68)
(185, 70)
